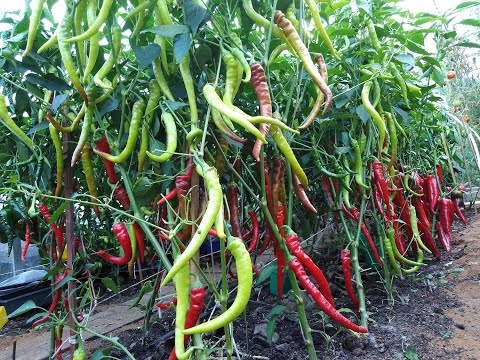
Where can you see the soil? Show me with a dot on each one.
(434, 315)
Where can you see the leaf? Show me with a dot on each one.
(468, 44)
(438, 77)
(470, 22)
(265, 274)
(411, 354)
(272, 319)
(146, 54)
(59, 212)
(110, 284)
(58, 100)
(343, 98)
(406, 59)
(174, 105)
(63, 282)
(144, 188)
(181, 45)
(168, 31)
(25, 307)
(22, 102)
(110, 105)
(403, 114)
(194, 14)
(362, 113)
(48, 81)
(467, 4)
(38, 127)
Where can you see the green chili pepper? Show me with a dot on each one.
(373, 113)
(358, 164)
(219, 122)
(401, 82)
(11, 125)
(393, 140)
(137, 115)
(65, 48)
(36, 7)
(77, 26)
(188, 82)
(391, 256)
(93, 42)
(50, 42)
(57, 142)
(215, 197)
(86, 128)
(373, 36)
(414, 226)
(99, 78)
(157, 71)
(231, 77)
(152, 104)
(171, 131)
(287, 151)
(245, 279)
(194, 135)
(398, 255)
(417, 267)
(182, 288)
(96, 25)
(90, 176)
(238, 53)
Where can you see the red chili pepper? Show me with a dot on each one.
(420, 210)
(328, 191)
(197, 294)
(345, 258)
(140, 241)
(59, 279)
(433, 192)
(232, 201)
(317, 296)
(56, 298)
(56, 230)
(377, 170)
(255, 231)
(296, 248)
(281, 262)
(189, 167)
(354, 215)
(302, 195)
(182, 184)
(440, 174)
(28, 240)
(167, 304)
(444, 238)
(459, 209)
(104, 146)
(122, 196)
(58, 341)
(247, 234)
(377, 201)
(446, 210)
(121, 232)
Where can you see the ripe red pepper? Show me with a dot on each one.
(302, 195)
(255, 231)
(459, 206)
(56, 230)
(232, 201)
(417, 202)
(167, 304)
(440, 174)
(104, 146)
(354, 215)
(296, 249)
(56, 298)
(377, 201)
(446, 210)
(195, 308)
(182, 184)
(379, 180)
(28, 240)
(444, 237)
(281, 262)
(328, 191)
(189, 167)
(432, 191)
(345, 258)
(317, 296)
(122, 196)
(121, 232)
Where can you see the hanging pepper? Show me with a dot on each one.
(295, 247)
(171, 133)
(345, 258)
(245, 280)
(433, 192)
(221, 124)
(86, 127)
(121, 232)
(57, 142)
(56, 298)
(267, 238)
(90, 176)
(377, 119)
(446, 210)
(281, 263)
(133, 244)
(255, 231)
(358, 164)
(56, 230)
(381, 184)
(459, 206)
(302, 195)
(121, 195)
(28, 240)
(419, 207)
(232, 201)
(103, 146)
(444, 237)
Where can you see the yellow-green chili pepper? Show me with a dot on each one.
(36, 6)
(90, 176)
(96, 25)
(171, 131)
(231, 77)
(57, 142)
(358, 164)
(158, 73)
(215, 198)
(182, 289)
(137, 115)
(77, 26)
(107, 66)
(373, 113)
(11, 125)
(87, 126)
(152, 104)
(401, 82)
(93, 42)
(188, 82)
(245, 279)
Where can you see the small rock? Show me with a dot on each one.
(460, 326)
(283, 347)
(358, 352)
(381, 348)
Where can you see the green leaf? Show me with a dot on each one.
(58, 100)
(181, 45)
(194, 14)
(265, 273)
(146, 54)
(48, 81)
(467, 4)
(110, 284)
(468, 44)
(406, 59)
(25, 307)
(59, 212)
(110, 105)
(362, 113)
(411, 354)
(168, 31)
(438, 77)
(470, 22)
(63, 282)
(272, 319)
(343, 98)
